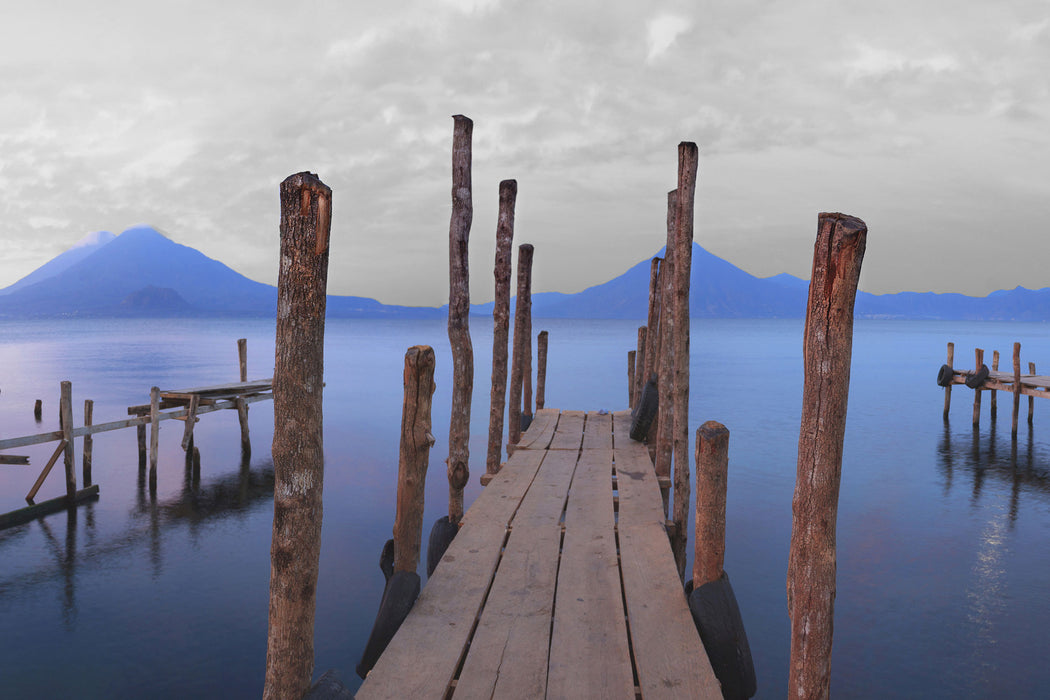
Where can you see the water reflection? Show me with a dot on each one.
(983, 458)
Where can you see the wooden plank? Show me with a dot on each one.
(29, 513)
(589, 654)
(668, 654)
(569, 433)
(231, 389)
(540, 432)
(423, 656)
(14, 459)
(508, 654)
(45, 471)
(597, 431)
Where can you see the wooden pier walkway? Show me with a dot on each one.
(560, 583)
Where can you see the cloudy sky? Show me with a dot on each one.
(927, 120)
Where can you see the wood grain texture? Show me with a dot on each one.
(508, 194)
(413, 455)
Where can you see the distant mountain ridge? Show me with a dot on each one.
(143, 273)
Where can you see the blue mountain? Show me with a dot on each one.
(80, 250)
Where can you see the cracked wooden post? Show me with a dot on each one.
(522, 340)
(508, 194)
(414, 456)
(639, 364)
(1017, 387)
(978, 354)
(712, 469)
(154, 436)
(632, 360)
(65, 420)
(89, 407)
(948, 389)
(665, 366)
(688, 156)
(541, 369)
(993, 407)
(298, 444)
(827, 351)
(459, 317)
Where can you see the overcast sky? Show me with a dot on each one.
(927, 120)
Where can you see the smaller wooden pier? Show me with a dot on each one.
(561, 582)
(984, 379)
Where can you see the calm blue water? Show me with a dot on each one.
(943, 530)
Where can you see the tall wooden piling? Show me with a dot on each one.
(632, 358)
(65, 419)
(688, 157)
(89, 407)
(712, 469)
(827, 350)
(541, 369)
(242, 406)
(979, 360)
(508, 193)
(522, 340)
(639, 363)
(414, 456)
(459, 316)
(665, 366)
(993, 407)
(1031, 399)
(154, 436)
(1017, 388)
(948, 389)
(298, 445)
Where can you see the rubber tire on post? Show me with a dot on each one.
(644, 412)
(398, 598)
(525, 421)
(977, 378)
(441, 536)
(945, 375)
(717, 619)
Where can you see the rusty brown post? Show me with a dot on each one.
(979, 359)
(688, 157)
(992, 407)
(522, 339)
(298, 441)
(414, 456)
(1017, 387)
(827, 350)
(632, 358)
(459, 317)
(665, 364)
(89, 407)
(508, 193)
(712, 468)
(541, 369)
(65, 420)
(639, 364)
(948, 389)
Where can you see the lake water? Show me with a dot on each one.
(943, 530)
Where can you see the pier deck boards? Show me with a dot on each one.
(547, 591)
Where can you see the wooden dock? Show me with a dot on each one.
(561, 582)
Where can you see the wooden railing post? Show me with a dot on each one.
(522, 339)
(89, 407)
(298, 444)
(1017, 387)
(65, 415)
(665, 365)
(541, 369)
(414, 456)
(688, 156)
(827, 350)
(508, 193)
(459, 317)
(948, 389)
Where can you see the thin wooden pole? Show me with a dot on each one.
(459, 317)
(414, 456)
(632, 357)
(665, 366)
(89, 407)
(1017, 388)
(517, 367)
(140, 434)
(298, 444)
(191, 420)
(992, 404)
(242, 406)
(526, 354)
(712, 468)
(827, 350)
(948, 389)
(688, 157)
(65, 414)
(639, 364)
(242, 357)
(541, 369)
(652, 338)
(154, 436)
(979, 359)
(1031, 399)
(508, 194)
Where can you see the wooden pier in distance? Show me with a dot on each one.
(982, 378)
(561, 582)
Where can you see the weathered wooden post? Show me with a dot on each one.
(242, 357)
(38, 410)
(242, 405)
(459, 317)
(665, 366)
(1017, 387)
(995, 366)
(1031, 399)
(632, 359)
(522, 341)
(652, 338)
(827, 351)
(65, 416)
(140, 434)
(688, 156)
(541, 369)
(639, 364)
(298, 444)
(712, 469)
(979, 359)
(948, 387)
(89, 407)
(154, 436)
(508, 193)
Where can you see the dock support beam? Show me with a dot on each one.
(993, 407)
(508, 194)
(1017, 388)
(632, 360)
(639, 364)
(541, 369)
(242, 407)
(948, 389)
(979, 360)
(522, 340)
(65, 414)
(1031, 399)
(89, 406)
(154, 436)
(665, 370)
(827, 349)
